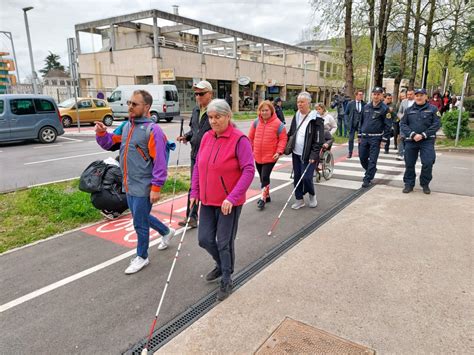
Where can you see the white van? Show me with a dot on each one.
(165, 101)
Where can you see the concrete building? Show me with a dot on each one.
(159, 47)
(57, 84)
(6, 79)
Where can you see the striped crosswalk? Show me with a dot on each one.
(348, 173)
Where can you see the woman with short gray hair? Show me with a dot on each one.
(222, 174)
(308, 128)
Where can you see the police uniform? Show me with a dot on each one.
(425, 121)
(374, 127)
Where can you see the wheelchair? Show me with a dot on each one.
(325, 167)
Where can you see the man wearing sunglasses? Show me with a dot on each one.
(144, 170)
(199, 124)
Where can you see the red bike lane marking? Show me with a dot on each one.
(121, 231)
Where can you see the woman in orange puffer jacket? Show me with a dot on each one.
(268, 137)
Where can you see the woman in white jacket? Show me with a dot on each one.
(330, 124)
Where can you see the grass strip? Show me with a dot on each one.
(40, 212)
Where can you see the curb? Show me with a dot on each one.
(455, 150)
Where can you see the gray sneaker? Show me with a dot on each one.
(298, 204)
(165, 240)
(312, 201)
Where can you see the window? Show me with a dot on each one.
(62, 82)
(2, 104)
(116, 96)
(44, 106)
(100, 103)
(145, 79)
(54, 82)
(85, 104)
(22, 107)
(171, 96)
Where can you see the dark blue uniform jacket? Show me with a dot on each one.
(375, 121)
(420, 120)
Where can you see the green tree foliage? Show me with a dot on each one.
(51, 62)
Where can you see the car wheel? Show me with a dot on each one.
(154, 117)
(67, 121)
(108, 120)
(47, 135)
(169, 119)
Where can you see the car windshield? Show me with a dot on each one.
(67, 103)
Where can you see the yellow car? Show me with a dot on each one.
(90, 110)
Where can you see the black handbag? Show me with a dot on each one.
(290, 145)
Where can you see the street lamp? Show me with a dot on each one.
(33, 72)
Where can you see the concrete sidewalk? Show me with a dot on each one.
(399, 284)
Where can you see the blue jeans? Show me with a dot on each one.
(369, 149)
(306, 184)
(426, 150)
(142, 221)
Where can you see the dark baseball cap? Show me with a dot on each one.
(420, 91)
(277, 100)
(377, 89)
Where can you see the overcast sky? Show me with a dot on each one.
(51, 22)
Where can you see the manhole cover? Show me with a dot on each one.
(293, 337)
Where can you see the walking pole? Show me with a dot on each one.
(287, 201)
(145, 349)
(176, 171)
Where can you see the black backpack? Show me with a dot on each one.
(91, 178)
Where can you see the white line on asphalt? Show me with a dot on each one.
(79, 275)
(182, 209)
(63, 158)
(72, 139)
(461, 168)
(345, 184)
(48, 146)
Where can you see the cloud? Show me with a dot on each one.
(51, 22)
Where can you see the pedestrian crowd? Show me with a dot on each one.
(224, 159)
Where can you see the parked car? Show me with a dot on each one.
(165, 101)
(90, 110)
(29, 117)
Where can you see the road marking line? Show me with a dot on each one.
(182, 209)
(73, 139)
(379, 167)
(64, 158)
(49, 146)
(344, 184)
(79, 275)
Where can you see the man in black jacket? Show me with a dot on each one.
(278, 110)
(419, 125)
(199, 124)
(352, 116)
(374, 130)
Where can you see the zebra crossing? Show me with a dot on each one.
(348, 173)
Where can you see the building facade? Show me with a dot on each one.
(181, 51)
(7, 80)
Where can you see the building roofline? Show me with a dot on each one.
(88, 26)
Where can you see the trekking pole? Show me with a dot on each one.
(176, 171)
(145, 349)
(287, 201)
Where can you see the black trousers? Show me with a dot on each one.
(194, 211)
(264, 171)
(216, 234)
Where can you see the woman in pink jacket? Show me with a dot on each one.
(222, 174)
(268, 137)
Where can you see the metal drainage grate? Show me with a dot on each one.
(167, 332)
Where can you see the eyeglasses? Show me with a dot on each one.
(200, 93)
(133, 104)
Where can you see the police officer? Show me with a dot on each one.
(388, 101)
(352, 116)
(374, 130)
(419, 125)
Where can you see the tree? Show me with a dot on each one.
(349, 72)
(51, 62)
(403, 53)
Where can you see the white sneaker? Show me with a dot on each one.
(136, 265)
(312, 201)
(165, 240)
(298, 204)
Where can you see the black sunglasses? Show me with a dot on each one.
(200, 93)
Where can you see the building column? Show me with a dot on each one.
(201, 47)
(112, 42)
(78, 44)
(261, 93)
(235, 96)
(283, 93)
(156, 34)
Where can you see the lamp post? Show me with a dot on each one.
(33, 72)
(9, 35)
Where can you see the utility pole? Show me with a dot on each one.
(33, 72)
